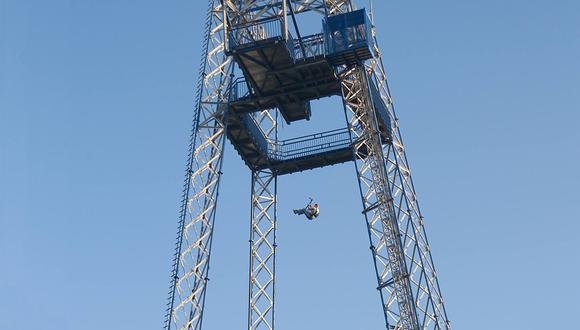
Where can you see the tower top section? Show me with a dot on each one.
(284, 70)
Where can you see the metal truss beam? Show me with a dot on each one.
(386, 246)
(429, 302)
(262, 275)
(190, 269)
(406, 275)
(254, 10)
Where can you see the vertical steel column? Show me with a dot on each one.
(427, 296)
(262, 277)
(262, 250)
(383, 229)
(285, 15)
(190, 269)
(422, 275)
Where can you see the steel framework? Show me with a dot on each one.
(406, 277)
(263, 237)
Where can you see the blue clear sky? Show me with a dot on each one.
(95, 108)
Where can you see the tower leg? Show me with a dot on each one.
(190, 269)
(262, 251)
(383, 229)
(196, 227)
(262, 277)
(429, 304)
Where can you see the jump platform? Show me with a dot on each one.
(284, 72)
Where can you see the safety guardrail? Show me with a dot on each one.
(299, 147)
(256, 133)
(309, 145)
(309, 46)
(245, 34)
(239, 90)
(341, 33)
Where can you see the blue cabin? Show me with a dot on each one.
(348, 38)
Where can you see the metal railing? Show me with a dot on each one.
(256, 133)
(309, 145)
(338, 36)
(304, 146)
(250, 33)
(312, 45)
(239, 90)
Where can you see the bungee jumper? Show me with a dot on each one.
(310, 211)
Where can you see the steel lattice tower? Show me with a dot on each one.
(257, 70)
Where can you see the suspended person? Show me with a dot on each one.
(310, 211)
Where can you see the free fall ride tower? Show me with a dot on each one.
(257, 70)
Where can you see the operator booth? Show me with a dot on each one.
(348, 37)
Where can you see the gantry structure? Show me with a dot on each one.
(257, 71)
